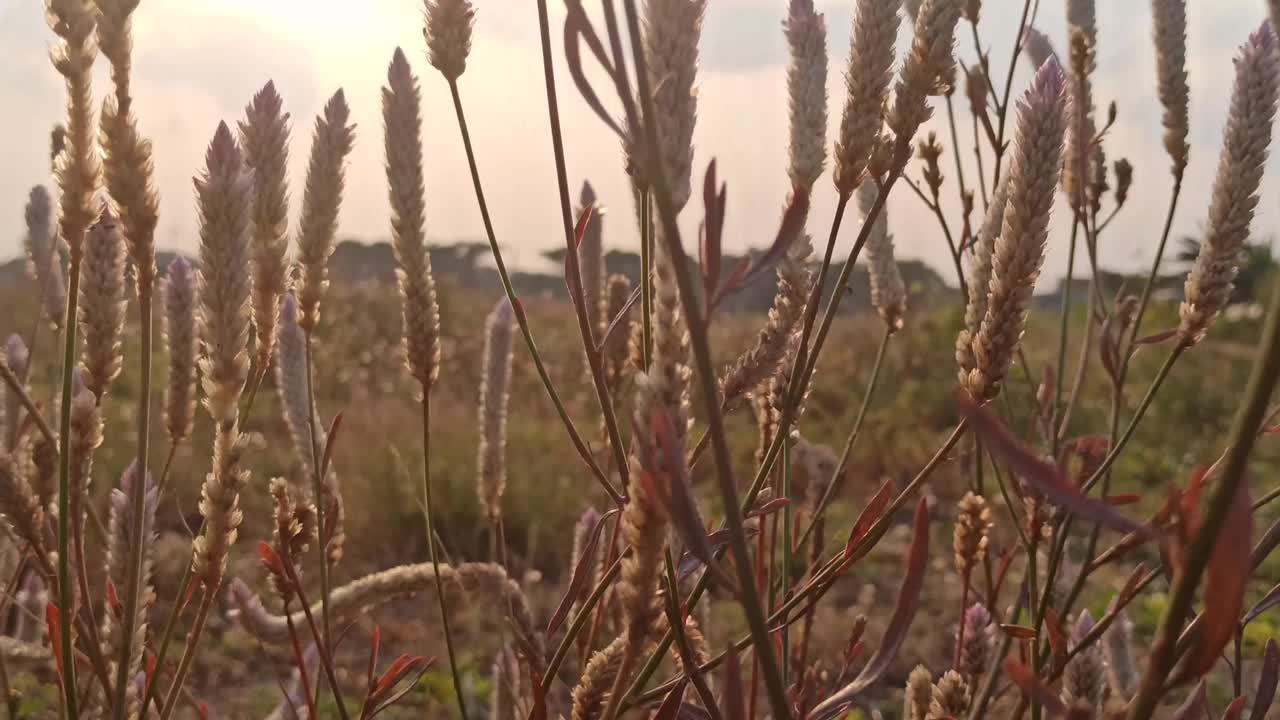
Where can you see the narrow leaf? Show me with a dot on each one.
(1034, 687)
(670, 707)
(1268, 601)
(904, 611)
(1018, 632)
(1267, 680)
(869, 516)
(1234, 710)
(581, 574)
(1228, 574)
(577, 28)
(1042, 475)
(731, 707)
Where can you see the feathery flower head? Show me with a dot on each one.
(448, 33)
(264, 135)
(806, 32)
(17, 359)
(1082, 681)
(919, 694)
(1169, 29)
(870, 69)
(331, 143)
(977, 642)
(672, 29)
(1246, 138)
(101, 307)
(927, 71)
(888, 293)
(224, 195)
(178, 295)
(980, 279)
(969, 539)
(1038, 48)
(1019, 252)
(950, 697)
(495, 388)
(44, 262)
(591, 266)
(420, 314)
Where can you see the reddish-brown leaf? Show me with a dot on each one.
(1268, 601)
(577, 28)
(731, 707)
(581, 574)
(903, 613)
(679, 499)
(710, 239)
(375, 644)
(867, 519)
(1234, 710)
(54, 622)
(1267, 680)
(539, 710)
(670, 707)
(1018, 632)
(1034, 687)
(1228, 575)
(1044, 476)
(1057, 638)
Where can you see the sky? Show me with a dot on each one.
(198, 62)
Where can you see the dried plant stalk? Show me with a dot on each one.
(871, 51)
(119, 546)
(180, 296)
(806, 31)
(927, 70)
(77, 169)
(102, 305)
(44, 263)
(449, 24)
(1169, 29)
(672, 30)
(888, 293)
(980, 279)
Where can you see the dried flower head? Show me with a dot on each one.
(919, 694)
(1117, 655)
(1235, 188)
(77, 169)
(926, 71)
(102, 305)
(20, 506)
(977, 648)
(1083, 679)
(672, 29)
(1124, 180)
(616, 348)
(178, 294)
(224, 195)
(448, 33)
(969, 539)
(980, 279)
(1077, 168)
(119, 528)
(264, 135)
(888, 293)
(331, 142)
(871, 52)
(1169, 30)
(1019, 252)
(420, 314)
(495, 388)
(806, 32)
(44, 263)
(950, 697)
(17, 358)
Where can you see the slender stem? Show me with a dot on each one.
(838, 475)
(1155, 263)
(787, 558)
(706, 374)
(322, 500)
(164, 471)
(1064, 322)
(431, 545)
(137, 500)
(1008, 86)
(325, 650)
(1118, 447)
(585, 323)
(687, 657)
(521, 319)
(64, 496)
(646, 278)
(188, 653)
(1262, 380)
(165, 639)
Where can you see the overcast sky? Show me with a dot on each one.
(197, 62)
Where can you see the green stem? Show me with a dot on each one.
(521, 320)
(431, 545)
(322, 501)
(580, 620)
(64, 496)
(1155, 264)
(1064, 330)
(188, 653)
(786, 556)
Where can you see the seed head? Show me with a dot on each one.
(919, 694)
(1235, 188)
(178, 294)
(928, 70)
(969, 541)
(495, 390)
(44, 262)
(871, 54)
(102, 305)
(331, 142)
(806, 31)
(888, 293)
(1169, 30)
(950, 697)
(448, 33)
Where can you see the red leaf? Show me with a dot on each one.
(1267, 678)
(789, 229)
(203, 710)
(1057, 639)
(113, 600)
(1122, 499)
(1018, 632)
(1228, 574)
(1034, 687)
(55, 635)
(674, 491)
(374, 645)
(1042, 475)
(581, 573)
(731, 707)
(710, 245)
(903, 613)
(670, 707)
(768, 507)
(1234, 710)
(867, 519)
